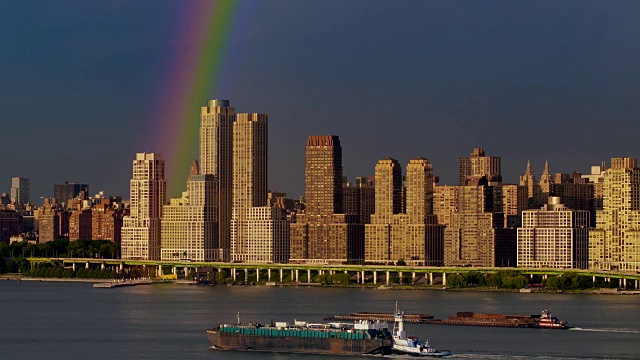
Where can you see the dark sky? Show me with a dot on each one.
(537, 80)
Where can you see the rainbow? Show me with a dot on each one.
(203, 33)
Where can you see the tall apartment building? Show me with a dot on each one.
(445, 202)
(259, 233)
(359, 199)
(20, 193)
(67, 191)
(148, 193)
(554, 237)
(476, 235)
(324, 233)
(80, 225)
(596, 181)
(615, 242)
(216, 158)
(414, 235)
(478, 165)
(106, 223)
(514, 202)
(189, 227)
(48, 221)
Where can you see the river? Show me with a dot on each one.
(42, 320)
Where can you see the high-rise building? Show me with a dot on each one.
(388, 188)
(48, 222)
(189, 227)
(615, 242)
(68, 191)
(259, 233)
(9, 224)
(141, 229)
(359, 199)
(514, 202)
(476, 235)
(479, 165)
(20, 194)
(323, 233)
(216, 158)
(413, 236)
(80, 226)
(554, 237)
(534, 192)
(445, 202)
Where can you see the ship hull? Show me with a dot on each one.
(334, 346)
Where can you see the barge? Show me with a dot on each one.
(361, 337)
(467, 318)
(389, 317)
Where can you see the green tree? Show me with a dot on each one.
(455, 281)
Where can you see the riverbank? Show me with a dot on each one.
(600, 291)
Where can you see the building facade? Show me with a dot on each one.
(148, 194)
(554, 237)
(216, 158)
(189, 227)
(324, 233)
(20, 190)
(413, 236)
(476, 235)
(614, 244)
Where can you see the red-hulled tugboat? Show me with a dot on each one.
(546, 321)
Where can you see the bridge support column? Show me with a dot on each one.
(246, 276)
(257, 275)
(293, 276)
(362, 277)
(175, 270)
(430, 278)
(413, 277)
(86, 265)
(636, 284)
(387, 279)
(400, 276)
(444, 279)
(269, 275)
(233, 274)
(186, 271)
(308, 276)
(281, 274)
(375, 277)
(159, 270)
(73, 266)
(297, 276)
(102, 266)
(623, 283)
(330, 272)
(594, 280)
(544, 277)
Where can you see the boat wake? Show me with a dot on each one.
(617, 331)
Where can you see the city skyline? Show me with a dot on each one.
(515, 80)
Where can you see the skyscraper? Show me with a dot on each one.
(141, 229)
(259, 233)
(20, 190)
(323, 233)
(413, 235)
(615, 242)
(216, 158)
(323, 176)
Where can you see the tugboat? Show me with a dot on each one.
(411, 345)
(547, 321)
